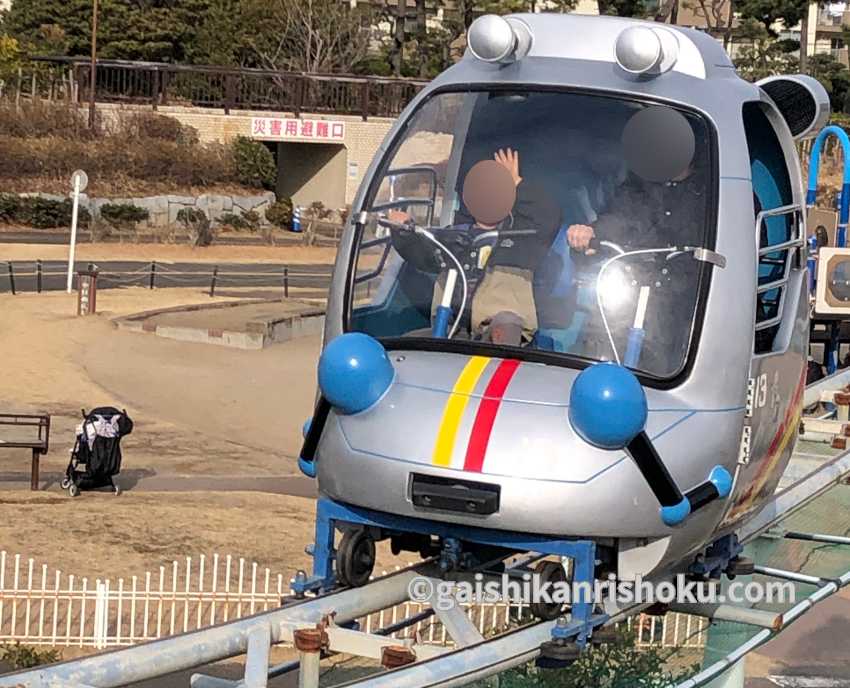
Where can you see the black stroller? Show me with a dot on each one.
(96, 456)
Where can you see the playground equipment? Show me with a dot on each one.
(814, 167)
(612, 442)
(828, 264)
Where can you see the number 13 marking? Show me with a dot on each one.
(761, 391)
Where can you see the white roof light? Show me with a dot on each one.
(645, 50)
(497, 39)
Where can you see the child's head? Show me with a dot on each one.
(489, 192)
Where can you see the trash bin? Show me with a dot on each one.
(86, 292)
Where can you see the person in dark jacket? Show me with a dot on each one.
(652, 215)
(527, 219)
(646, 214)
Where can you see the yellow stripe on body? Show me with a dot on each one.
(455, 407)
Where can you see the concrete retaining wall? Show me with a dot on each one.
(256, 335)
(163, 209)
(361, 138)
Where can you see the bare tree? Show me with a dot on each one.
(310, 35)
(667, 8)
(717, 15)
(398, 36)
(421, 33)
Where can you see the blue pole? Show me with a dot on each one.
(633, 346)
(814, 164)
(832, 347)
(440, 328)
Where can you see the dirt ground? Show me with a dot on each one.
(199, 410)
(100, 535)
(172, 253)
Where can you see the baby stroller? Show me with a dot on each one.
(96, 456)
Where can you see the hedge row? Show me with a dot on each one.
(45, 213)
(42, 213)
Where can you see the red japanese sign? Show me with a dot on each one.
(288, 128)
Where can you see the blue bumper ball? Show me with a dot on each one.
(607, 406)
(354, 372)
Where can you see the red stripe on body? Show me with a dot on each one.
(479, 438)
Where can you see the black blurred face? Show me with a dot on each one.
(659, 144)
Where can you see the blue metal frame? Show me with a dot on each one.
(830, 352)
(717, 556)
(814, 164)
(831, 347)
(331, 514)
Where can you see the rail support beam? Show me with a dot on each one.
(731, 612)
(818, 537)
(257, 662)
(458, 625)
(309, 642)
(205, 681)
(791, 576)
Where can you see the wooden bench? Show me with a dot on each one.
(38, 429)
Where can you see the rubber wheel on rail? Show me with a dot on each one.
(740, 566)
(605, 636)
(355, 558)
(548, 572)
(73, 490)
(557, 655)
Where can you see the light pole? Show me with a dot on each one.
(93, 71)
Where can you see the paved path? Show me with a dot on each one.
(137, 273)
(814, 651)
(150, 481)
(63, 238)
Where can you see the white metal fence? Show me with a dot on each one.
(671, 630)
(43, 607)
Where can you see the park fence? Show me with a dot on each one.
(43, 607)
(34, 276)
(39, 606)
(231, 89)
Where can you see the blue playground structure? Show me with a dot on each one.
(833, 325)
(814, 165)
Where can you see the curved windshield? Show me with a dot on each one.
(564, 222)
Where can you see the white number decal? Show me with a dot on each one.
(761, 390)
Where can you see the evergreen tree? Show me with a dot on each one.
(769, 12)
(157, 30)
(625, 8)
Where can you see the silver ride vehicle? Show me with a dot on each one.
(569, 315)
